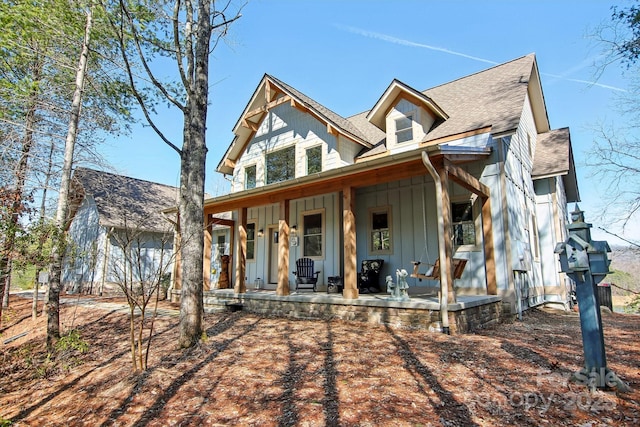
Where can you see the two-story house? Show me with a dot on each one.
(470, 169)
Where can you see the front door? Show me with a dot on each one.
(273, 255)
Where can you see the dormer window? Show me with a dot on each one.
(404, 129)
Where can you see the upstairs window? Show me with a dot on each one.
(281, 165)
(314, 160)
(404, 129)
(250, 177)
(463, 224)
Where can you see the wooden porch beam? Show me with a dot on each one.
(337, 183)
(349, 231)
(471, 183)
(240, 286)
(221, 221)
(466, 180)
(282, 288)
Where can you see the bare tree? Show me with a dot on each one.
(615, 155)
(195, 28)
(142, 270)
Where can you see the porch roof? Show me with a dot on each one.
(375, 171)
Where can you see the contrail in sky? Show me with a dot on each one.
(391, 39)
(403, 42)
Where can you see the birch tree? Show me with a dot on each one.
(186, 31)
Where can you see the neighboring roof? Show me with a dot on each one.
(554, 157)
(126, 202)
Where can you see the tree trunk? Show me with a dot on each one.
(193, 160)
(21, 176)
(53, 301)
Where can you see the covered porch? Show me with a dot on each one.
(444, 162)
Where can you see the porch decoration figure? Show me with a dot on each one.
(398, 290)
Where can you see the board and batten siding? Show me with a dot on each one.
(285, 126)
(414, 233)
(267, 217)
(520, 202)
(552, 212)
(85, 254)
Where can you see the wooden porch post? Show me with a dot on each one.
(489, 257)
(472, 184)
(349, 231)
(240, 286)
(206, 261)
(446, 232)
(283, 250)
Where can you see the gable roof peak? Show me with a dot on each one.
(389, 98)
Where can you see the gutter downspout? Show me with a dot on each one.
(444, 285)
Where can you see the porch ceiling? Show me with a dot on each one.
(378, 171)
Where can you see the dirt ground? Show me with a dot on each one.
(258, 371)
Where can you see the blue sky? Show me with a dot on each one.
(345, 53)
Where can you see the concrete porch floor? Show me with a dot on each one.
(421, 311)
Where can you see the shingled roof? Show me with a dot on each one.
(123, 201)
(554, 157)
(493, 98)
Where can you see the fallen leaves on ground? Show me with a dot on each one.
(254, 370)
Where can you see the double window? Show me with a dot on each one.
(404, 129)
